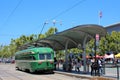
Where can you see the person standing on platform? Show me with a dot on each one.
(78, 65)
(55, 63)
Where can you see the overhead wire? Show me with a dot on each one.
(12, 12)
(9, 16)
(68, 9)
(63, 12)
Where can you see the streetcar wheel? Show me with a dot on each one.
(17, 68)
(31, 71)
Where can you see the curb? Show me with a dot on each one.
(83, 76)
(74, 75)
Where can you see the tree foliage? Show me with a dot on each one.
(8, 51)
(109, 43)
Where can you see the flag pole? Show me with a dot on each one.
(100, 16)
(99, 20)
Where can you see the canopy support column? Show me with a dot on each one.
(66, 46)
(84, 53)
(66, 65)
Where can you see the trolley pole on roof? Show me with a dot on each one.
(43, 27)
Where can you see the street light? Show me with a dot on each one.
(54, 22)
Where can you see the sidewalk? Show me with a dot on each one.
(109, 73)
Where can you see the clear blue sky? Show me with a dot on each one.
(26, 17)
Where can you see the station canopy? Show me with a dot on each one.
(74, 37)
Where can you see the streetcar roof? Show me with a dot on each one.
(36, 50)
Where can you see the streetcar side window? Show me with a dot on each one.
(33, 58)
(41, 56)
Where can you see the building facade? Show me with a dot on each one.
(113, 27)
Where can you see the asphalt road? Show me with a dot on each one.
(8, 72)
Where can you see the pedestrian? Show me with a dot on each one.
(75, 64)
(93, 66)
(99, 61)
(70, 64)
(78, 65)
(55, 63)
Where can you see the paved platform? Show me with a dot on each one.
(109, 73)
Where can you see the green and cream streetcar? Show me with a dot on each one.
(35, 59)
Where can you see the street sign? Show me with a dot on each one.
(97, 37)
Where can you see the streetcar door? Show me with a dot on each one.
(48, 60)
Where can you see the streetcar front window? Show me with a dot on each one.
(48, 56)
(41, 56)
